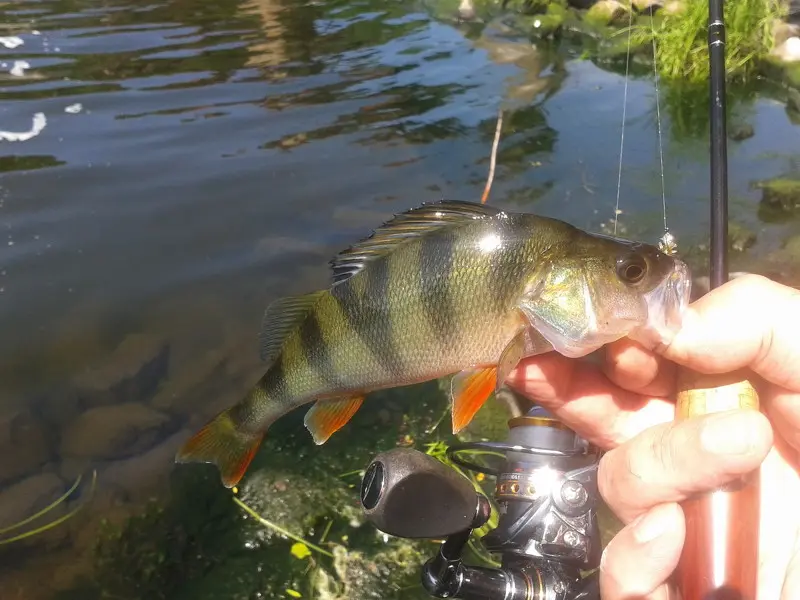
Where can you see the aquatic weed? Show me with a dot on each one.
(46, 510)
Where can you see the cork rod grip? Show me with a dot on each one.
(720, 554)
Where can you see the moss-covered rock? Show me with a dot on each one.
(607, 12)
(742, 132)
(551, 20)
(782, 193)
(740, 238)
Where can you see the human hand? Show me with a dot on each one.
(653, 463)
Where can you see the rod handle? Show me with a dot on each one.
(720, 554)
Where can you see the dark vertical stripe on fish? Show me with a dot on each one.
(270, 388)
(503, 273)
(316, 351)
(368, 314)
(275, 385)
(435, 270)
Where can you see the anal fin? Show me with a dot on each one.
(469, 390)
(326, 417)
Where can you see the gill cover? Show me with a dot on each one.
(564, 308)
(622, 289)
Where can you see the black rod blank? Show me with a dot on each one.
(719, 150)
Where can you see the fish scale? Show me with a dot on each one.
(448, 288)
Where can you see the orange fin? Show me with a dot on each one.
(469, 389)
(326, 417)
(223, 444)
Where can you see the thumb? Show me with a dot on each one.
(640, 559)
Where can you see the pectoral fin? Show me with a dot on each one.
(469, 389)
(326, 417)
(527, 342)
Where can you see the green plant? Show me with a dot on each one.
(682, 42)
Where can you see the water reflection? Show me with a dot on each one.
(201, 158)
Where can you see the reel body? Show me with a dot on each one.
(546, 494)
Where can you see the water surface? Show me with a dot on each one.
(200, 158)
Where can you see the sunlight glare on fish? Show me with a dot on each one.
(490, 242)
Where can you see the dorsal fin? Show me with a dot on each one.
(280, 318)
(404, 226)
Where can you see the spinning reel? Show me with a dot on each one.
(546, 493)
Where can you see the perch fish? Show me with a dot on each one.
(447, 288)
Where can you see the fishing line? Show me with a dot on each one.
(624, 112)
(667, 242)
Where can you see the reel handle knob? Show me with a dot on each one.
(409, 494)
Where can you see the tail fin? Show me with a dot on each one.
(223, 444)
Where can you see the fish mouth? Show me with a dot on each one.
(666, 305)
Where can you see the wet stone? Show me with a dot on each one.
(114, 432)
(24, 446)
(131, 374)
(187, 389)
(58, 406)
(137, 475)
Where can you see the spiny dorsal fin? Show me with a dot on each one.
(280, 318)
(404, 226)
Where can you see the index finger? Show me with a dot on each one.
(750, 322)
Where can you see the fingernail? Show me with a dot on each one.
(729, 433)
(650, 526)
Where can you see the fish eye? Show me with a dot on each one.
(631, 268)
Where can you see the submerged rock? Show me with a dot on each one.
(742, 132)
(739, 237)
(114, 432)
(607, 12)
(23, 446)
(131, 374)
(135, 476)
(187, 389)
(780, 193)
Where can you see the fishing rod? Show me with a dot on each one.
(720, 553)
